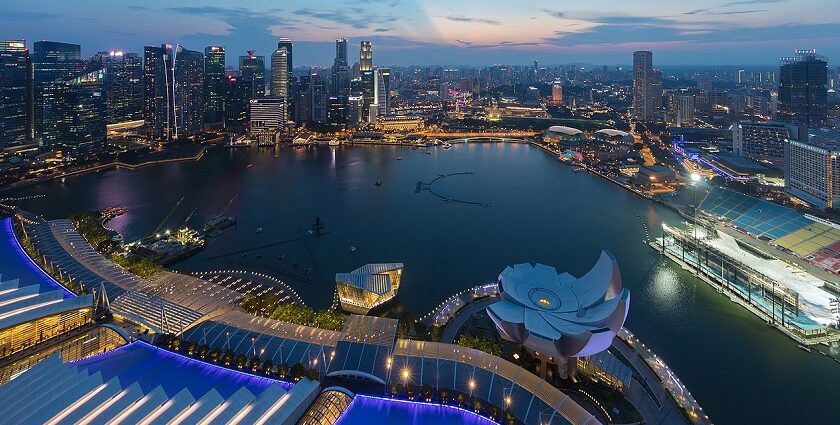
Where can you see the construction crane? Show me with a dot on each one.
(157, 229)
(227, 207)
(184, 224)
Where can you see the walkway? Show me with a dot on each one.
(454, 325)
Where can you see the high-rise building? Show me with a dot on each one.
(337, 110)
(286, 43)
(366, 57)
(557, 93)
(280, 73)
(84, 115)
(214, 85)
(803, 89)
(123, 85)
(741, 79)
(643, 82)
(267, 114)
(53, 64)
(812, 168)
(340, 70)
(763, 141)
(237, 97)
(656, 89)
(303, 100)
(684, 109)
(16, 102)
(318, 92)
(189, 92)
(158, 95)
(252, 72)
(383, 90)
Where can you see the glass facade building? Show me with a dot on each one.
(214, 84)
(16, 112)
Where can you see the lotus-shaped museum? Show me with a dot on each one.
(558, 315)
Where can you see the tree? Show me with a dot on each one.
(298, 371)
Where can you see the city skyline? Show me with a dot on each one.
(747, 32)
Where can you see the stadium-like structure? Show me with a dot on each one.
(557, 316)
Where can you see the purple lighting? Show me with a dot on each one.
(17, 264)
(366, 409)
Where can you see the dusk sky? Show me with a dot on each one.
(463, 32)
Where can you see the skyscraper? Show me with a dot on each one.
(812, 168)
(16, 105)
(643, 102)
(383, 90)
(762, 141)
(84, 114)
(340, 70)
(803, 89)
(237, 96)
(189, 92)
(318, 94)
(252, 71)
(123, 86)
(366, 57)
(280, 75)
(54, 63)
(557, 93)
(214, 85)
(286, 43)
(158, 95)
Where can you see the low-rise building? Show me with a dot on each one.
(399, 123)
(368, 286)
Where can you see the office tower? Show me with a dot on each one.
(803, 91)
(16, 102)
(340, 70)
(337, 110)
(53, 64)
(158, 95)
(557, 93)
(365, 57)
(84, 115)
(189, 92)
(280, 73)
(656, 90)
(741, 79)
(285, 43)
(383, 91)
(684, 109)
(237, 97)
(267, 114)
(318, 92)
(252, 72)
(355, 109)
(812, 168)
(643, 76)
(303, 100)
(123, 85)
(214, 85)
(763, 141)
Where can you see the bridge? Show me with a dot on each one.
(502, 134)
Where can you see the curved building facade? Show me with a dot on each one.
(613, 137)
(558, 316)
(558, 134)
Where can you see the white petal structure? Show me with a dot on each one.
(558, 315)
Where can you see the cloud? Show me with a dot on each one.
(555, 13)
(507, 43)
(473, 20)
(749, 2)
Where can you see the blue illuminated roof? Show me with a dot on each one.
(16, 264)
(757, 216)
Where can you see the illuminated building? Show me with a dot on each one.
(158, 95)
(237, 95)
(280, 76)
(252, 71)
(803, 95)
(383, 90)
(53, 64)
(16, 107)
(812, 168)
(762, 141)
(366, 56)
(557, 93)
(123, 86)
(368, 286)
(562, 136)
(557, 316)
(189, 92)
(214, 84)
(84, 114)
(267, 118)
(644, 104)
(340, 70)
(401, 123)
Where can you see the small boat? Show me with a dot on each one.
(804, 348)
(250, 165)
(310, 232)
(333, 142)
(378, 183)
(259, 229)
(276, 156)
(352, 249)
(399, 158)
(428, 152)
(447, 145)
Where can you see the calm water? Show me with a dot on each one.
(739, 369)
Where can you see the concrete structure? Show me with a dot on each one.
(214, 85)
(762, 141)
(558, 133)
(368, 286)
(812, 169)
(557, 93)
(557, 316)
(402, 123)
(803, 89)
(644, 104)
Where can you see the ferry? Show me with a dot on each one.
(334, 142)
(447, 145)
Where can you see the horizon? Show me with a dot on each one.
(752, 33)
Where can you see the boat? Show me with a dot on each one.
(428, 152)
(250, 165)
(399, 158)
(804, 348)
(447, 145)
(333, 142)
(352, 249)
(310, 232)
(378, 183)
(259, 229)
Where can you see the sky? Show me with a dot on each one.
(446, 32)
